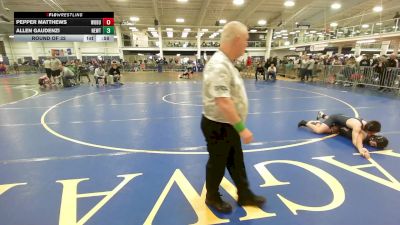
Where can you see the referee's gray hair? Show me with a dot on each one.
(232, 30)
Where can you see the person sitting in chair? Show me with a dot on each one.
(100, 74)
(83, 71)
(260, 70)
(115, 73)
(271, 72)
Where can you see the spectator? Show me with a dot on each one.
(365, 61)
(303, 67)
(380, 67)
(115, 73)
(268, 63)
(3, 68)
(392, 61)
(391, 72)
(260, 70)
(271, 71)
(100, 74)
(16, 68)
(397, 20)
(248, 65)
(310, 68)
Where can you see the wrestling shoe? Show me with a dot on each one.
(302, 123)
(320, 115)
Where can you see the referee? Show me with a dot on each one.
(225, 108)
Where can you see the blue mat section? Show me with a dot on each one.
(135, 154)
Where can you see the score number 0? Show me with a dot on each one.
(108, 21)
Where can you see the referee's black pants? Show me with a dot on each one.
(225, 150)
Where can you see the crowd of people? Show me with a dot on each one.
(70, 73)
(307, 67)
(106, 72)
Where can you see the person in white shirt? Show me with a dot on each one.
(310, 68)
(271, 71)
(225, 109)
(99, 73)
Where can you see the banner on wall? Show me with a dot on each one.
(303, 26)
(385, 47)
(318, 48)
(300, 49)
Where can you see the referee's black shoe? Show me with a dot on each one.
(218, 204)
(253, 200)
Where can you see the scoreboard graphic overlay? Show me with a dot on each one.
(64, 26)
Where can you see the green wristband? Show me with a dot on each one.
(239, 126)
